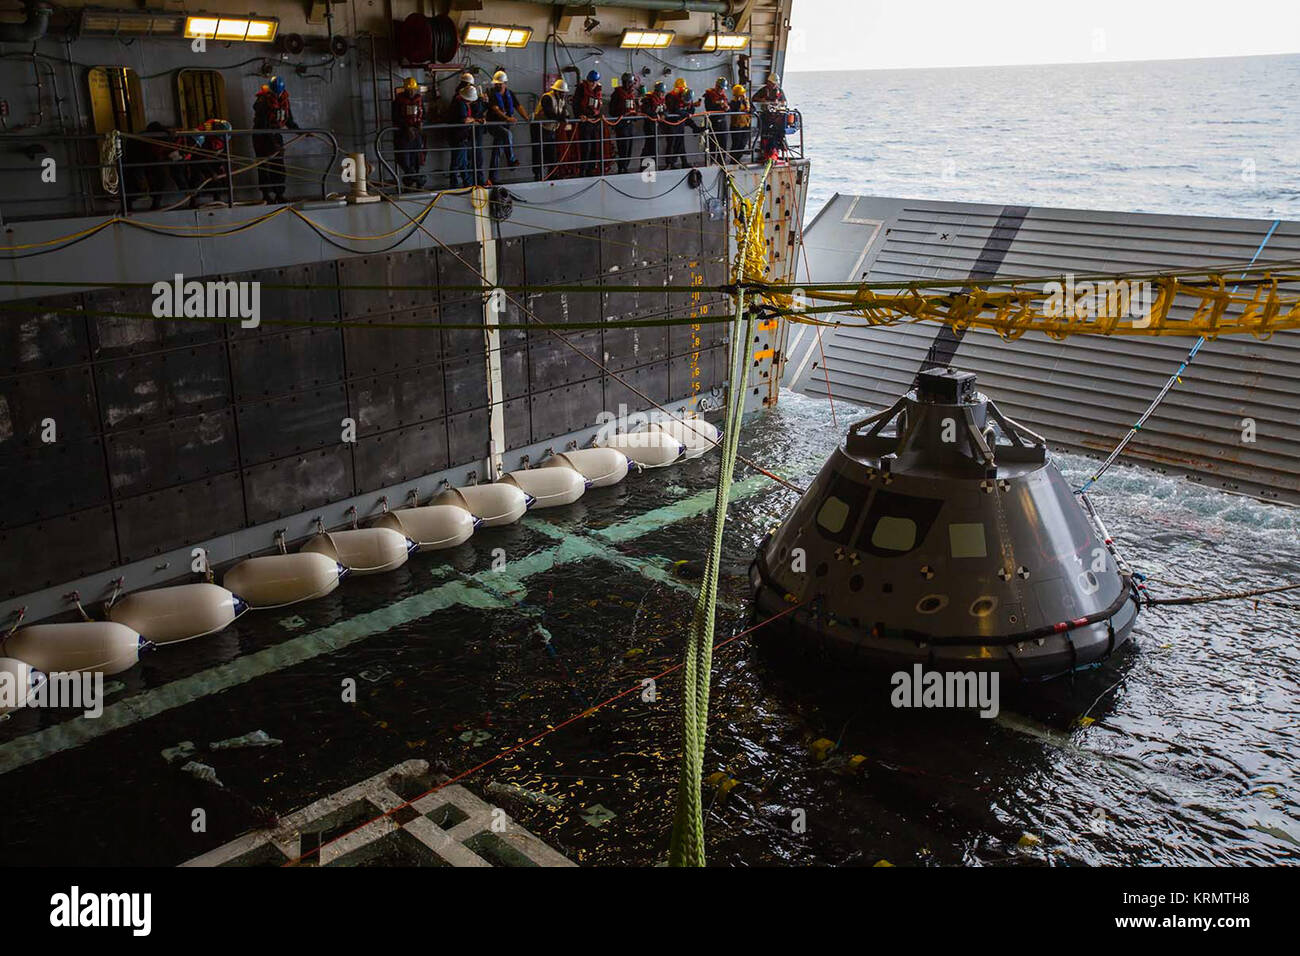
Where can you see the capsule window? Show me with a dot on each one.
(896, 524)
(833, 515)
(837, 516)
(894, 534)
(967, 540)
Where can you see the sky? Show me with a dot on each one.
(898, 34)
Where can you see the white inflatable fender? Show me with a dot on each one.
(695, 433)
(362, 550)
(549, 487)
(431, 527)
(651, 447)
(180, 613)
(96, 646)
(600, 466)
(494, 504)
(18, 681)
(278, 580)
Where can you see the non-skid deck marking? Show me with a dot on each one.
(70, 734)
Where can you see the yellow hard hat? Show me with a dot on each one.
(738, 89)
(680, 84)
(412, 83)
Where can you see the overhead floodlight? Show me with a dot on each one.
(231, 29)
(646, 39)
(100, 22)
(716, 42)
(497, 36)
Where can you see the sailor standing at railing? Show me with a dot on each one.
(716, 106)
(652, 108)
(770, 105)
(588, 105)
(741, 124)
(622, 109)
(502, 109)
(462, 135)
(679, 106)
(553, 110)
(408, 141)
(271, 112)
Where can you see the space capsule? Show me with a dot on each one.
(939, 533)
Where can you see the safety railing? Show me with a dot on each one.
(47, 176)
(452, 155)
(44, 176)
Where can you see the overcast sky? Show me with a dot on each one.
(895, 34)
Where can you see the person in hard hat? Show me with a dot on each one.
(271, 111)
(208, 170)
(553, 111)
(679, 107)
(652, 108)
(622, 109)
(742, 121)
(503, 110)
(588, 105)
(408, 140)
(716, 129)
(464, 121)
(770, 105)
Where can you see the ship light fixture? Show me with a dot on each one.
(718, 42)
(646, 39)
(100, 22)
(235, 29)
(496, 36)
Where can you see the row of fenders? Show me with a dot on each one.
(172, 615)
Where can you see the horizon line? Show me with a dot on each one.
(983, 66)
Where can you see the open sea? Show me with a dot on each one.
(1183, 749)
(1195, 137)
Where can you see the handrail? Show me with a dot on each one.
(106, 175)
(93, 168)
(665, 146)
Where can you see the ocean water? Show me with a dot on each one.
(1188, 755)
(1197, 137)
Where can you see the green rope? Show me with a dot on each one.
(686, 847)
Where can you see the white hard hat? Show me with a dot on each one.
(500, 77)
(560, 86)
(469, 93)
(467, 77)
